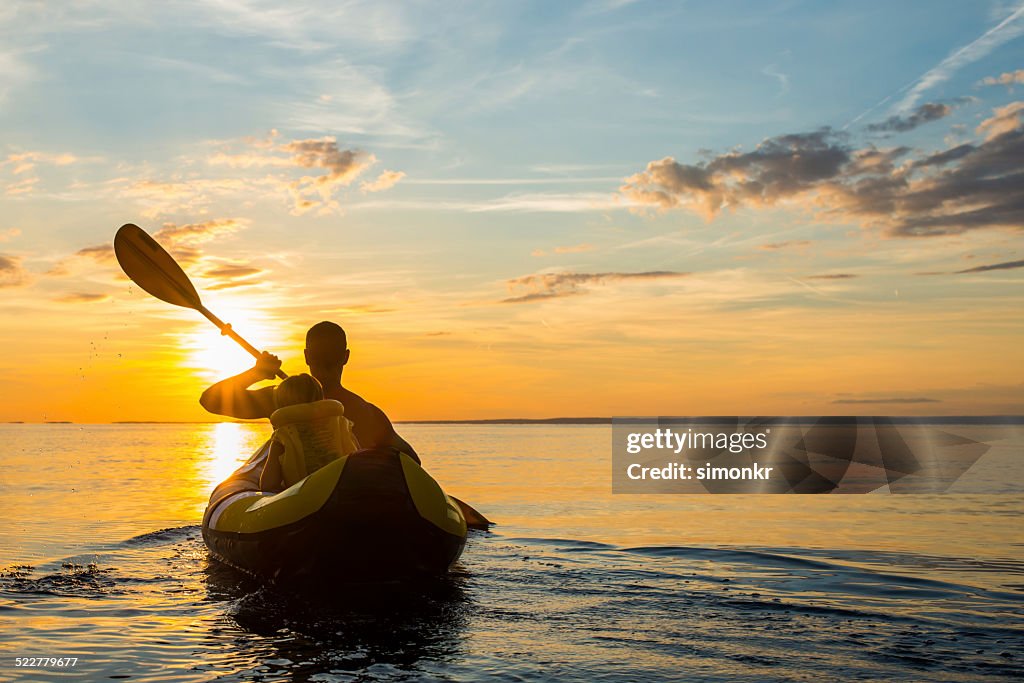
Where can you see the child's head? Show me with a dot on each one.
(298, 389)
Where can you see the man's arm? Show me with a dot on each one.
(233, 398)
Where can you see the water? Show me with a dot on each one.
(103, 560)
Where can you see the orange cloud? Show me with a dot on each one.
(384, 181)
(82, 298)
(11, 272)
(554, 285)
(172, 235)
(775, 246)
(231, 276)
(341, 167)
(574, 249)
(22, 186)
(188, 195)
(1004, 120)
(23, 164)
(1008, 79)
(182, 241)
(571, 249)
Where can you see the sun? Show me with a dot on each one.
(214, 356)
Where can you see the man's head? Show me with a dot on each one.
(326, 352)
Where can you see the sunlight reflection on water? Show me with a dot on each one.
(228, 446)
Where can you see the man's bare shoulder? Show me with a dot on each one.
(356, 404)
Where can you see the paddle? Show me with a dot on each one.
(155, 271)
(474, 520)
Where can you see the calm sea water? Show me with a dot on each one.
(103, 560)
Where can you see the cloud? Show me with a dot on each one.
(1004, 120)
(82, 298)
(184, 242)
(181, 241)
(779, 167)
(547, 202)
(570, 249)
(231, 275)
(540, 296)
(231, 284)
(360, 24)
(101, 253)
(832, 276)
(931, 111)
(22, 166)
(384, 181)
(342, 165)
(23, 162)
(176, 236)
(775, 246)
(14, 72)
(574, 249)
(1007, 265)
(356, 309)
(22, 186)
(11, 272)
(773, 71)
(1008, 79)
(192, 195)
(541, 202)
(9, 234)
(970, 186)
(231, 271)
(887, 400)
(340, 168)
(554, 285)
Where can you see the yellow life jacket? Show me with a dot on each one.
(312, 435)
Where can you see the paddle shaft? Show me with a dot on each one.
(225, 329)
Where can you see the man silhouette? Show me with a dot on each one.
(326, 354)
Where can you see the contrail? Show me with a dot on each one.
(1006, 30)
(1003, 32)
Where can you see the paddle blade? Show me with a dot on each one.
(474, 520)
(152, 268)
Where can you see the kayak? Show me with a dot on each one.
(374, 515)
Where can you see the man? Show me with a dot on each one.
(326, 355)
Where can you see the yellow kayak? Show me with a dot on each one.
(374, 515)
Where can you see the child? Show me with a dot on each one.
(309, 432)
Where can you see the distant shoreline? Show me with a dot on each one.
(718, 419)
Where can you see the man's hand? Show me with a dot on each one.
(267, 365)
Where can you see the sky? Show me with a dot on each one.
(520, 209)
